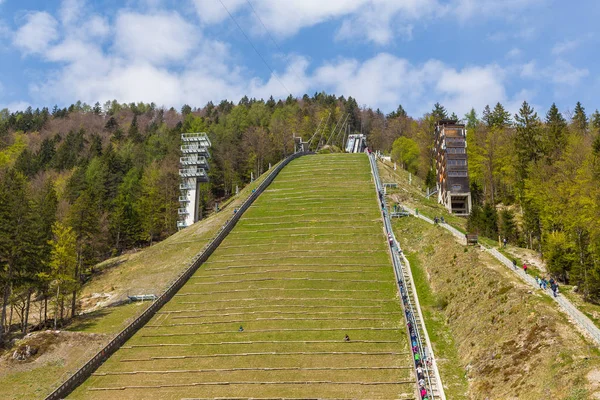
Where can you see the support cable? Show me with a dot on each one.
(274, 42)
(317, 130)
(255, 49)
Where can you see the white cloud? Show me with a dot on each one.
(528, 70)
(561, 72)
(471, 87)
(527, 34)
(564, 73)
(97, 26)
(160, 57)
(466, 9)
(155, 38)
(565, 46)
(37, 33)
(15, 106)
(514, 53)
(71, 10)
(212, 12)
(377, 21)
(385, 81)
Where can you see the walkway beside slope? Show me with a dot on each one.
(409, 296)
(579, 319)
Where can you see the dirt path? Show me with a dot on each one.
(580, 320)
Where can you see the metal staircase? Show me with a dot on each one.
(410, 300)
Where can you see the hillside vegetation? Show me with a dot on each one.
(535, 180)
(509, 340)
(148, 271)
(85, 183)
(305, 266)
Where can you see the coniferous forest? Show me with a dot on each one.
(81, 184)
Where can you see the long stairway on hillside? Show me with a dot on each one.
(299, 301)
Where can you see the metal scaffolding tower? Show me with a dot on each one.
(194, 164)
(356, 143)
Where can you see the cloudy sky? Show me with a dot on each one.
(462, 53)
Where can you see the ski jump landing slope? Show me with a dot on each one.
(266, 315)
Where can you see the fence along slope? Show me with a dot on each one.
(171, 350)
(84, 372)
(411, 305)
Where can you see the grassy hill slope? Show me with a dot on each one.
(306, 265)
(509, 340)
(149, 270)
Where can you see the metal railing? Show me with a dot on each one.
(192, 172)
(194, 148)
(199, 137)
(410, 305)
(193, 160)
(86, 370)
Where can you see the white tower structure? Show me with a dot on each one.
(194, 164)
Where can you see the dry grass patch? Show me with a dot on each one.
(513, 341)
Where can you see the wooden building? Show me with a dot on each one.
(452, 167)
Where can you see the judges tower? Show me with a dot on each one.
(193, 171)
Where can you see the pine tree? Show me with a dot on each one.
(125, 220)
(556, 133)
(595, 121)
(439, 112)
(399, 113)
(353, 112)
(528, 146)
(472, 119)
(111, 125)
(500, 117)
(18, 246)
(490, 221)
(508, 226)
(84, 218)
(134, 132)
(580, 119)
(45, 205)
(430, 180)
(185, 110)
(487, 116)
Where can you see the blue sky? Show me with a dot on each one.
(462, 53)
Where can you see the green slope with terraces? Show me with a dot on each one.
(306, 265)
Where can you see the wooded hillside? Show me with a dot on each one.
(84, 183)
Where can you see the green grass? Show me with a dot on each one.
(146, 271)
(305, 265)
(109, 320)
(413, 195)
(499, 326)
